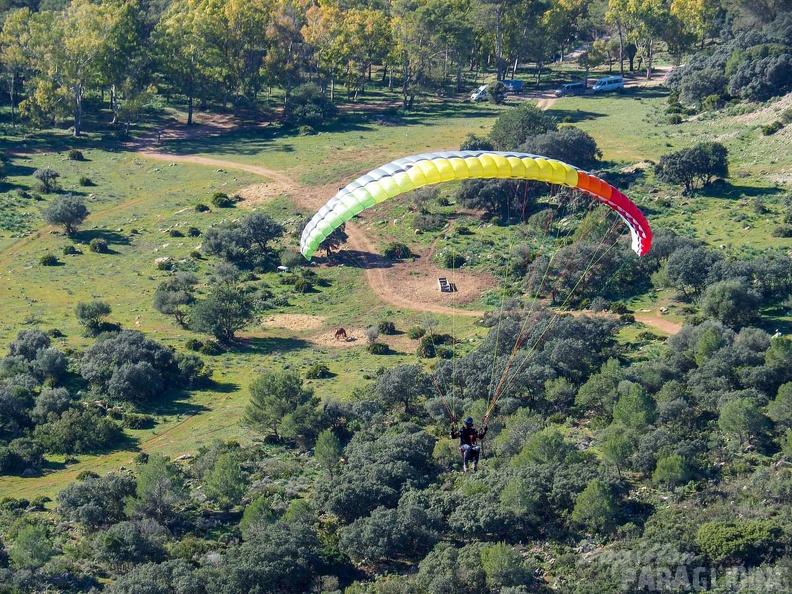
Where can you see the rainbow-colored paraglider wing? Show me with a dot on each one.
(410, 173)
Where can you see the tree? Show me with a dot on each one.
(568, 144)
(545, 447)
(176, 576)
(742, 418)
(310, 107)
(691, 166)
(28, 343)
(336, 238)
(173, 295)
(160, 489)
(96, 501)
(596, 508)
(780, 409)
(92, 314)
(688, 267)
(617, 444)
(635, 409)
(135, 382)
(67, 210)
(505, 567)
(731, 302)
(48, 178)
(328, 450)
(514, 127)
(126, 544)
(274, 397)
(402, 384)
(224, 311)
(32, 548)
(77, 431)
(226, 484)
(671, 471)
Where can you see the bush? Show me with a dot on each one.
(452, 259)
(772, 128)
(415, 332)
(386, 327)
(48, 179)
(618, 307)
(137, 421)
(193, 232)
(426, 348)
(85, 181)
(428, 221)
(175, 233)
(317, 371)
(309, 107)
(782, 231)
(202, 208)
(306, 131)
(49, 260)
(378, 348)
(221, 200)
(674, 119)
(211, 348)
(193, 344)
(396, 251)
(302, 285)
(98, 245)
(75, 155)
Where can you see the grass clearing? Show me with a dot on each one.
(131, 192)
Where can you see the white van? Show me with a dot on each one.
(609, 83)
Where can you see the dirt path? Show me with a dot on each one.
(408, 286)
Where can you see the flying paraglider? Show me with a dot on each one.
(409, 173)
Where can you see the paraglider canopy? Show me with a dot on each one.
(409, 173)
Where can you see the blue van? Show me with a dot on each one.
(513, 86)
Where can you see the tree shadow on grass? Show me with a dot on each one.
(111, 237)
(725, 189)
(269, 345)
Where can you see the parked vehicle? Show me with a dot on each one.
(609, 83)
(513, 86)
(576, 88)
(481, 94)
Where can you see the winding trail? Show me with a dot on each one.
(386, 280)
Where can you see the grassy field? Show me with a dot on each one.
(136, 203)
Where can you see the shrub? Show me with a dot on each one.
(200, 207)
(444, 352)
(98, 245)
(317, 371)
(782, 231)
(415, 332)
(221, 200)
(772, 128)
(309, 107)
(674, 108)
(85, 181)
(193, 344)
(463, 230)
(306, 131)
(452, 259)
(386, 327)
(75, 155)
(674, 119)
(426, 348)
(211, 348)
(443, 201)
(378, 348)
(302, 285)
(428, 221)
(396, 251)
(193, 232)
(618, 307)
(49, 260)
(175, 233)
(47, 177)
(136, 421)
(195, 255)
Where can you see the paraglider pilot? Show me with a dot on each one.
(468, 435)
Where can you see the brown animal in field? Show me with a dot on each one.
(340, 333)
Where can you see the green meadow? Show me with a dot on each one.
(136, 204)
